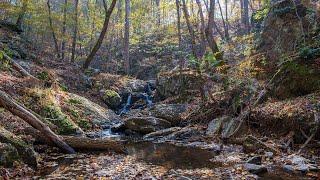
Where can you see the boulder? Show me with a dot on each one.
(215, 126)
(111, 98)
(161, 133)
(169, 112)
(145, 125)
(8, 155)
(185, 84)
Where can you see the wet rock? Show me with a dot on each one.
(255, 169)
(255, 160)
(161, 133)
(145, 125)
(111, 98)
(8, 154)
(169, 112)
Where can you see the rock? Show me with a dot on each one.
(225, 126)
(8, 154)
(303, 168)
(288, 168)
(255, 169)
(268, 154)
(145, 125)
(215, 126)
(255, 160)
(185, 84)
(169, 112)
(185, 133)
(111, 98)
(91, 111)
(26, 152)
(161, 133)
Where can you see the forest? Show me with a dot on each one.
(159, 89)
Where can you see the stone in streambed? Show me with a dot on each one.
(255, 160)
(169, 112)
(255, 169)
(145, 125)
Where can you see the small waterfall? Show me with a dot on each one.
(126, 107)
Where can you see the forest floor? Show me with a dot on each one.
(187, 152)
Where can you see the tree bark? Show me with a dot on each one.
(17, 67)
(22, 13)
(209, 31)
(102, 34)
(54, 37)
(75, 31)
(82, 143)
(127, 38)
(11, 105)
(64, 29)
(202, 30)
(190, 28)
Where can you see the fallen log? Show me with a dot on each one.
(17, 67)
(26, 153)
(16, 109)
(82, 143)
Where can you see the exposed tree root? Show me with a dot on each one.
(316, 117)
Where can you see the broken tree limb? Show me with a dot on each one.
(11, 105)
(316, 117)
(17, 66)
(82, 143)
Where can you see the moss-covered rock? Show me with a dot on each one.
(26, 152)
(46, 103)
(111, 98)
(185, 84)
(8, 155)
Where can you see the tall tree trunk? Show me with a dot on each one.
(202, 30)
(75, 31)
(127, 37)
(190, 29)
(22, 13)
(102, 34)
(179, 22)
(245, 15)
(227, 20)
(158, 13)
(54, 37)
(209, 31)
(64, 29)
(226, 34)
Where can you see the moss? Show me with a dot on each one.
(84, 124)
(44, 75)
(111, 98)
(61, 120)
(110, 93)
(74, 101)
(8, 155)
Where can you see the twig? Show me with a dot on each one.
(316, 118)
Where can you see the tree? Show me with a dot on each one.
(64, 29)
(22, 14)
(126, 37)
(209, 31)
(202, 30)
(75, 30)
(102, 34)
(54, 37)
(190, 29)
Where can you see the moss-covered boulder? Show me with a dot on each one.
(47, 103)
(86, 113)
(8, 155)
(25, 151)
(111, 98)
(185, 84)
